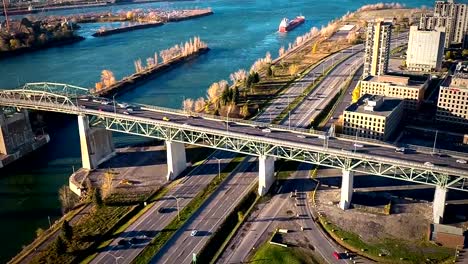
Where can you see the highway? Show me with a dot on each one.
(282, 101)
(207, 219)
(319, 97)
(154, 220)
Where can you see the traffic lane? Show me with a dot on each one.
(153, 221)
(209, 217)
(245, 129)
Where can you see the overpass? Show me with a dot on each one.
(177, 128)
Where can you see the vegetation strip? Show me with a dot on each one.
(166, 234)
(156, 196)
(220, 239)
(46, 235)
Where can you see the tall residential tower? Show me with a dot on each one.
(377, 48)
(453, 17)
(425, 49)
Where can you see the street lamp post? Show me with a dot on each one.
(435, 142)
(177, 202)
(219, 167)
(113, 99)
(115, 258)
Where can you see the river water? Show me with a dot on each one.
(238, 33)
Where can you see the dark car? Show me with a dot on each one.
(123, 242)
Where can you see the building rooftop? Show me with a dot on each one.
(459, 79)
(375, 105)
(409, 81)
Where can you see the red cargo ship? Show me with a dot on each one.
(287, 25)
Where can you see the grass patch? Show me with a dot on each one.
(393, 251)
(273, 254)
(89, 231)
(162, 237)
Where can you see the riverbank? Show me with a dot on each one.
(53, 43)
(108, 32)
(147, 73)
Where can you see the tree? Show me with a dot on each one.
(59, 246)
(245, 110)
(314, 48)
(106, 188)
(39, 232)
(240, 216)
(15, 44)
(256, 77)
(67, 231)
(356, 93)
(465, 53)
(235, 95)
(293, 69)
(97, 198)
(449, 55)
(269, 71)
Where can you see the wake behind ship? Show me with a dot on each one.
(288, 25)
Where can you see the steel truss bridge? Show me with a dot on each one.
(63, 98)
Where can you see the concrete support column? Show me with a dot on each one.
(96, 144)
(266, 170)
(438, 206)
(346, 189)
(176, 160)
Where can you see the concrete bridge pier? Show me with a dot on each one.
(266, 170)
(96, 144)
(346, 189)
(176, 159)
(438, 205)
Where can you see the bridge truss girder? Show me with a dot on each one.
(255, 147)
(250, 145)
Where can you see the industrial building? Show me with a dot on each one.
(425, 49)
(373, 116)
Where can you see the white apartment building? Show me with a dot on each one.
(452, 106)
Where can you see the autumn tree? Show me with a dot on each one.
(293, 69)
(314, 48)
(106, 187)
(188, 105)
(356, 93)
(59, 246)
(245, 111)
(15, 44)
(200, 104)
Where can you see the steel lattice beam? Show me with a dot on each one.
(246, 144)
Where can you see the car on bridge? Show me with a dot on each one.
(166, 118)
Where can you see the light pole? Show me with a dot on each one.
(113, 99)
(48, 218)
(289, 120)
(435, 142)
(115, 258)
(219, 167)
(177, 202)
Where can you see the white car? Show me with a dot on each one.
(461, 161)
(357, 145)
(266, 130)
(427, 163)
(123, 105)
(194, 233)
(301, 136)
